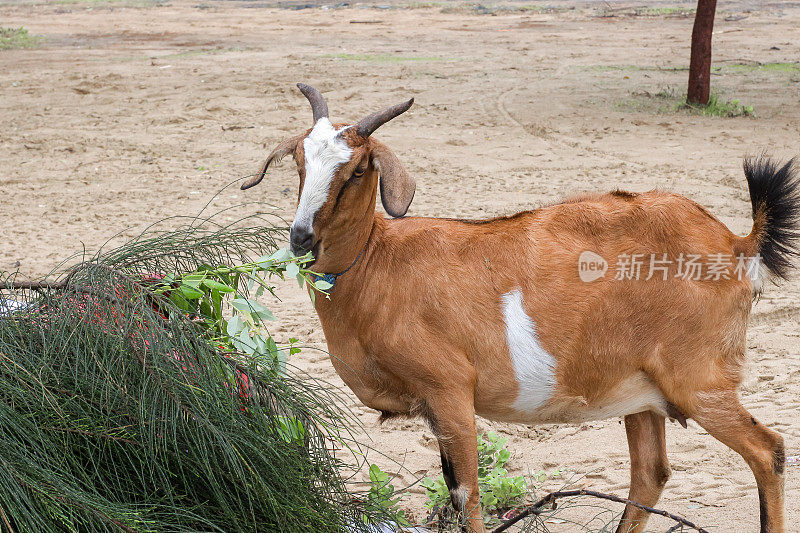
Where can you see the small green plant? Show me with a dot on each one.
(719, 108)
(381, 498)
(11, 38)
(437, 492)
(499, 491)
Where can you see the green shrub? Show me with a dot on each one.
(499, 491)
(11, 38)
(127, 403)
(381, 499)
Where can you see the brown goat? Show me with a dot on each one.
(520, 319)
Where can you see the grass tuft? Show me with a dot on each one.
(791, 68)
(669, 100)
(14, 38)
(716, 107)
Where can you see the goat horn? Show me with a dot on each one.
(318, 104)
(367, 125)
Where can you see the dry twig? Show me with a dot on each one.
(537, 508)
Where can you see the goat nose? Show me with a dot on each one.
(301, 240)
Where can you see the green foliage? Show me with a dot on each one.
(668, 100)
(436, 490)
(491, 453)
(204, 292)
(791, 68)
(716, 107)
(11, 38)
(499, 491)
(125, 408)
(381, 499)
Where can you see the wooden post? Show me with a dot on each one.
(700, 62)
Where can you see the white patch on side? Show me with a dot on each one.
(533, 366)
(325, 152)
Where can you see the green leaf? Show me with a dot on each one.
(261, 345)
(246, 305)
(273, 348)
(243, 342)
(277, 256)
(217, 286)
(182, 303)
(192, 280)
(234, 326)
(291, 430)
(292, 270)
(216, 303)
(205, 308)
(322, 285)
(374, 472)
(190, 293)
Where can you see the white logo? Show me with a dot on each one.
(591, 266)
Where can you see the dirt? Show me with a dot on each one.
(131, 112)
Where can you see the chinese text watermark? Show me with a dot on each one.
(696, 267)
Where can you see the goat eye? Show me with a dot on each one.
(358, 172)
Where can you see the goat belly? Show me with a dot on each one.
(635, 394)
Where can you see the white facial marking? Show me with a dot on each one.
(533, 366)
(325, 152)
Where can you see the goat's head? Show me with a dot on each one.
(340, 166)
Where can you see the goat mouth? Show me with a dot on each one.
(314, 253)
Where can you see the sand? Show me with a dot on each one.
(131, 112)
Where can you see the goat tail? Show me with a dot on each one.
(775, 195)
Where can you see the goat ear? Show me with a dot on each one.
(285, 147)
(397, 187)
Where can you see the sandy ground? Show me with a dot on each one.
(131, 112)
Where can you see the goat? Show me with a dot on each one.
(446, 319)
